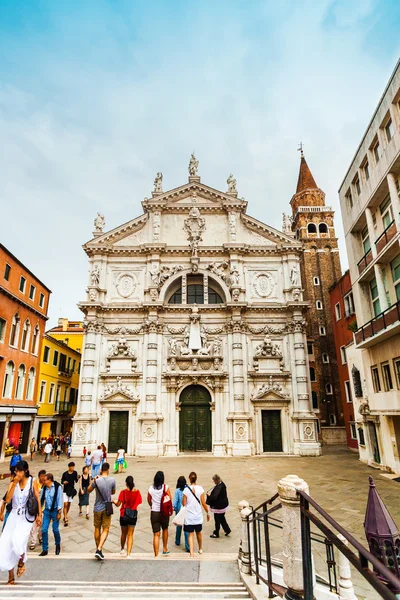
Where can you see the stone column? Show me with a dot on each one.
(5, 436)
(371, 231)
(394, 198)
(237, 364)
(291, 534)
(383, 301)
(346, 590)
(300, 361)
(245, 542)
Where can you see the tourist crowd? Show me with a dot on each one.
(31, 505)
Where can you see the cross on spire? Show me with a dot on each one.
(300, 149)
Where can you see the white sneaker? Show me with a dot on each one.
(200, 551)
(129, 556)
(123, 553)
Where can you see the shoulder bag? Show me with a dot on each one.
(129, 512)
(194, 494)
(32, 505)
(166, 508)
(109, 505)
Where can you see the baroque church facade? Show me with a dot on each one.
(195, 331)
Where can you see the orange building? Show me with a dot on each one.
(24, 302)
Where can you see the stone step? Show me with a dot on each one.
(129, 590)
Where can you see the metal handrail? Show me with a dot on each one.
(384, 233)
(363, 258)
(360, 563)
(375, 319)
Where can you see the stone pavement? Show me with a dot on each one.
(337, 480)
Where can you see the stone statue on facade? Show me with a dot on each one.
(155, 275)
(172, 346)
(294, 275)
(193, 166)
(99, 223)
(234, 276)
(231, 181)
(217, 346)
(287, 223)
(194, 226)
(95, 275)
(218, 269)
(158, 183)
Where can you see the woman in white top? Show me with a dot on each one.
(194, 499)
(14, 539)
(158, 521)
(120, 459)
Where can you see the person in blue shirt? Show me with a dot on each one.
(177, 504)
(52, 502)
(16, 457)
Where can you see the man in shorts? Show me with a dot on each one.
(69, 479)
(105, 487)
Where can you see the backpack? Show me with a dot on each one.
(166, 508)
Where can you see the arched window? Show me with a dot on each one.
(31, 384)
(314, 397)
(325, 357)
(312, 374)
(195, 291)
(8, 380)
(322, 330)
(319, 305)
(26, 334)
(14, 331)
(311, 228)
(316, 280)
(323, 228)
(19, 390)
(328, 389)
(35, 340)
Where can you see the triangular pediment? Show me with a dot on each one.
(118, 233)
(193, 193)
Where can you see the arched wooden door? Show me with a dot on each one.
(195, 420)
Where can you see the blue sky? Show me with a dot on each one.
(97, 96)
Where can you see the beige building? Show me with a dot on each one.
(370, 203)
(195, 331)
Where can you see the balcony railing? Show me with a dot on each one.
(63, 371)
(364, 262)
(386, 236)
(379, 323)
(63, 408)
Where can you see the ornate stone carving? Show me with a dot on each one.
(241, 429)
(80, 433)
(267, 329)
(165, 273)
(153, 295)
(92, 295)
(123, 330)
(296, 293)
(193, 166)
(309, 431)
(158, 183)
(125, 284)
(121, 350)
(234, 276)
(95, 275)
(268, 388)
(231, 181)
(267, 348)
(99, 223)
(172, 346)
(176, 330)
(232, 226)
(287, 223)
(156, 226)
(194, 226)
(297, 326)
(236, 294)
(220, 269)
(263, 284)
(113, 389)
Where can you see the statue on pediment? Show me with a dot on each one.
(193, 166)
(231, 181)
(99, 223)
(287, 223)
(158, 183)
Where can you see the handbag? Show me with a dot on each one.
(166, 508)
(179, 518)
(32, 505)
(130, 513)
(109, 505)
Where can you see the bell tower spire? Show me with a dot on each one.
(313, 224)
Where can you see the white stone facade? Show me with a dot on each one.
(194, 295)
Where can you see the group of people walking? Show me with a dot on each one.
(31, 505)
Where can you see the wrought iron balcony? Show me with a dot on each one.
(379, 324)
(386, 236)
(63, 408)
(364, 262)
(64, 372)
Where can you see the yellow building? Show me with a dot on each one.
(60, 367)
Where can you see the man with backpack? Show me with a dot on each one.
(51, 498)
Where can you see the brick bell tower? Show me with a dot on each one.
(313, 224)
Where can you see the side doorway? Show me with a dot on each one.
(118, 430)
(195, 420)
